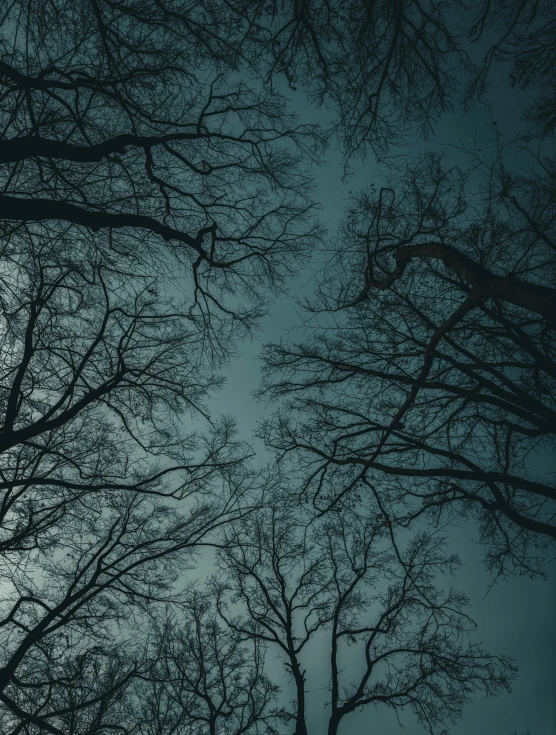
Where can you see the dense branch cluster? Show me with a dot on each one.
(389, 68)
(156, 190)
(111, 129)
(392, 638)
(148, 200)
(433, 392)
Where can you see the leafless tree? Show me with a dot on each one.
(387, 68)
(117, 555)
(432, 390)
(526, 41)
(204, 679)
(104, 481)
(344, 585)
(152, 197)
(283, 587)
(121, 127)
(80, 693)
(381, 65)
(149, 203)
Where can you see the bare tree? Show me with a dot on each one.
(80, 693)
(126, 128)
(410, 635)
(149, 203)
(117, 554)
(283, 587)
(152, 196)
(381, 65)
(433, 390)
(344, 584)
(106, 490)
(204, 680)
(526, 41)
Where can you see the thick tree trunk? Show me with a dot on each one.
(530, 296)
(300, 725)
(333, 724)
(533, 297)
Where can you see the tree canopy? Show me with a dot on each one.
(158, 191)
(433, 389)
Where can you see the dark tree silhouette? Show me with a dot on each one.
(204, 680)
(434, 391)
(388, 68)
(344, 587)
(526, 41)
(116, 555)
(381, 65)
(84, 693)
(127, 127)
(148, 205)
(284, 589)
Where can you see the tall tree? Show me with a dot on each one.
(392, 637)
(433, 390)
(149, 203)
(283, 588)
(152, 196)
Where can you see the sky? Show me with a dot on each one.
(515, 617)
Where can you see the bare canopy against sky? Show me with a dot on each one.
(370, 189)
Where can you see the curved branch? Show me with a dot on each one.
(530, 296)
(29, 716)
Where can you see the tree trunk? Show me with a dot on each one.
(333, 724)
(300, 726)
